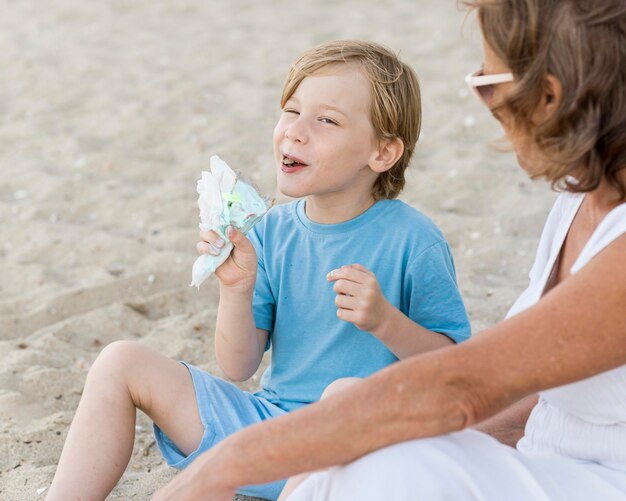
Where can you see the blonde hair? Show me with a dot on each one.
(582, 43)
(395, 108)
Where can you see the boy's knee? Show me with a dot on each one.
(117, 356)
(339, 385)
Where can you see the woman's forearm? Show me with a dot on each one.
(508, 426)
(577, 330)
(381, 410)
(375, 412)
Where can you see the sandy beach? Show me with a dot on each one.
(108, 113)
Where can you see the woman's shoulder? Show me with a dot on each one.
(610, 229)
(559, 220)
(565, 206)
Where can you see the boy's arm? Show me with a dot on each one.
(403, 336)
(361, 302)
(239, 345)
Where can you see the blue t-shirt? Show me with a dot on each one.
(295, 303)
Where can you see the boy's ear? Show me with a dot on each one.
(388, 153)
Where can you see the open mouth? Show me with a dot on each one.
(291, 163)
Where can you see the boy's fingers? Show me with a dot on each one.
(206, 248)
(347, 315)
(346, 302)
(238, 239)
(348, 273)
(360, 267)
(343, 286)
(213, 238)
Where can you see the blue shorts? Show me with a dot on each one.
(224, 409)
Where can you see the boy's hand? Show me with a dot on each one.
(239, 270)
(359, 297)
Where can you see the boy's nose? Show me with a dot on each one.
(296, 132)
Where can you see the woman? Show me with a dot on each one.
(554, 75)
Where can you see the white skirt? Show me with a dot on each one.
(467, 465)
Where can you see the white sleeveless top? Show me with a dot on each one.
(587, 419)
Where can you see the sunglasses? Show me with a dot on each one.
(483, 85)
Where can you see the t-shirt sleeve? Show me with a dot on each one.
(435, 300)
(263, 302)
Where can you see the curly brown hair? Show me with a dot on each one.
(582, 43)
(395, 111)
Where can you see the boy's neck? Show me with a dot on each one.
(334, 210)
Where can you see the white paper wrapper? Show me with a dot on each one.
(224, 200)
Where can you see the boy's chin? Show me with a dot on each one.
(289, 191)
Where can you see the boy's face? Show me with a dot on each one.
(324, 138)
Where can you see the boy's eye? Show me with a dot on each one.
(327, 120)
(291, 110)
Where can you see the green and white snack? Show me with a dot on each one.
(224, 200)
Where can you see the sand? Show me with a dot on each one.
(108, 113)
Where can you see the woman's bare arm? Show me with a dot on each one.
(508, 426)
(577, 330)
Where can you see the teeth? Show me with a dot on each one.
(288, 161)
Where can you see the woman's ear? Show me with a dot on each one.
(550, 101)
(388, 153)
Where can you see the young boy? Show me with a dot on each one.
(340, 283)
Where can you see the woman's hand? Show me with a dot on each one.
(239, 270)
(199, 481)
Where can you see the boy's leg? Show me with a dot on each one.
(334, 387)
(124, 377)
(224, 409)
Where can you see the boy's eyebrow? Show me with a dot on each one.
(332, 108)
(323, 106)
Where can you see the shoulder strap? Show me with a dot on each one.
(611, 227)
